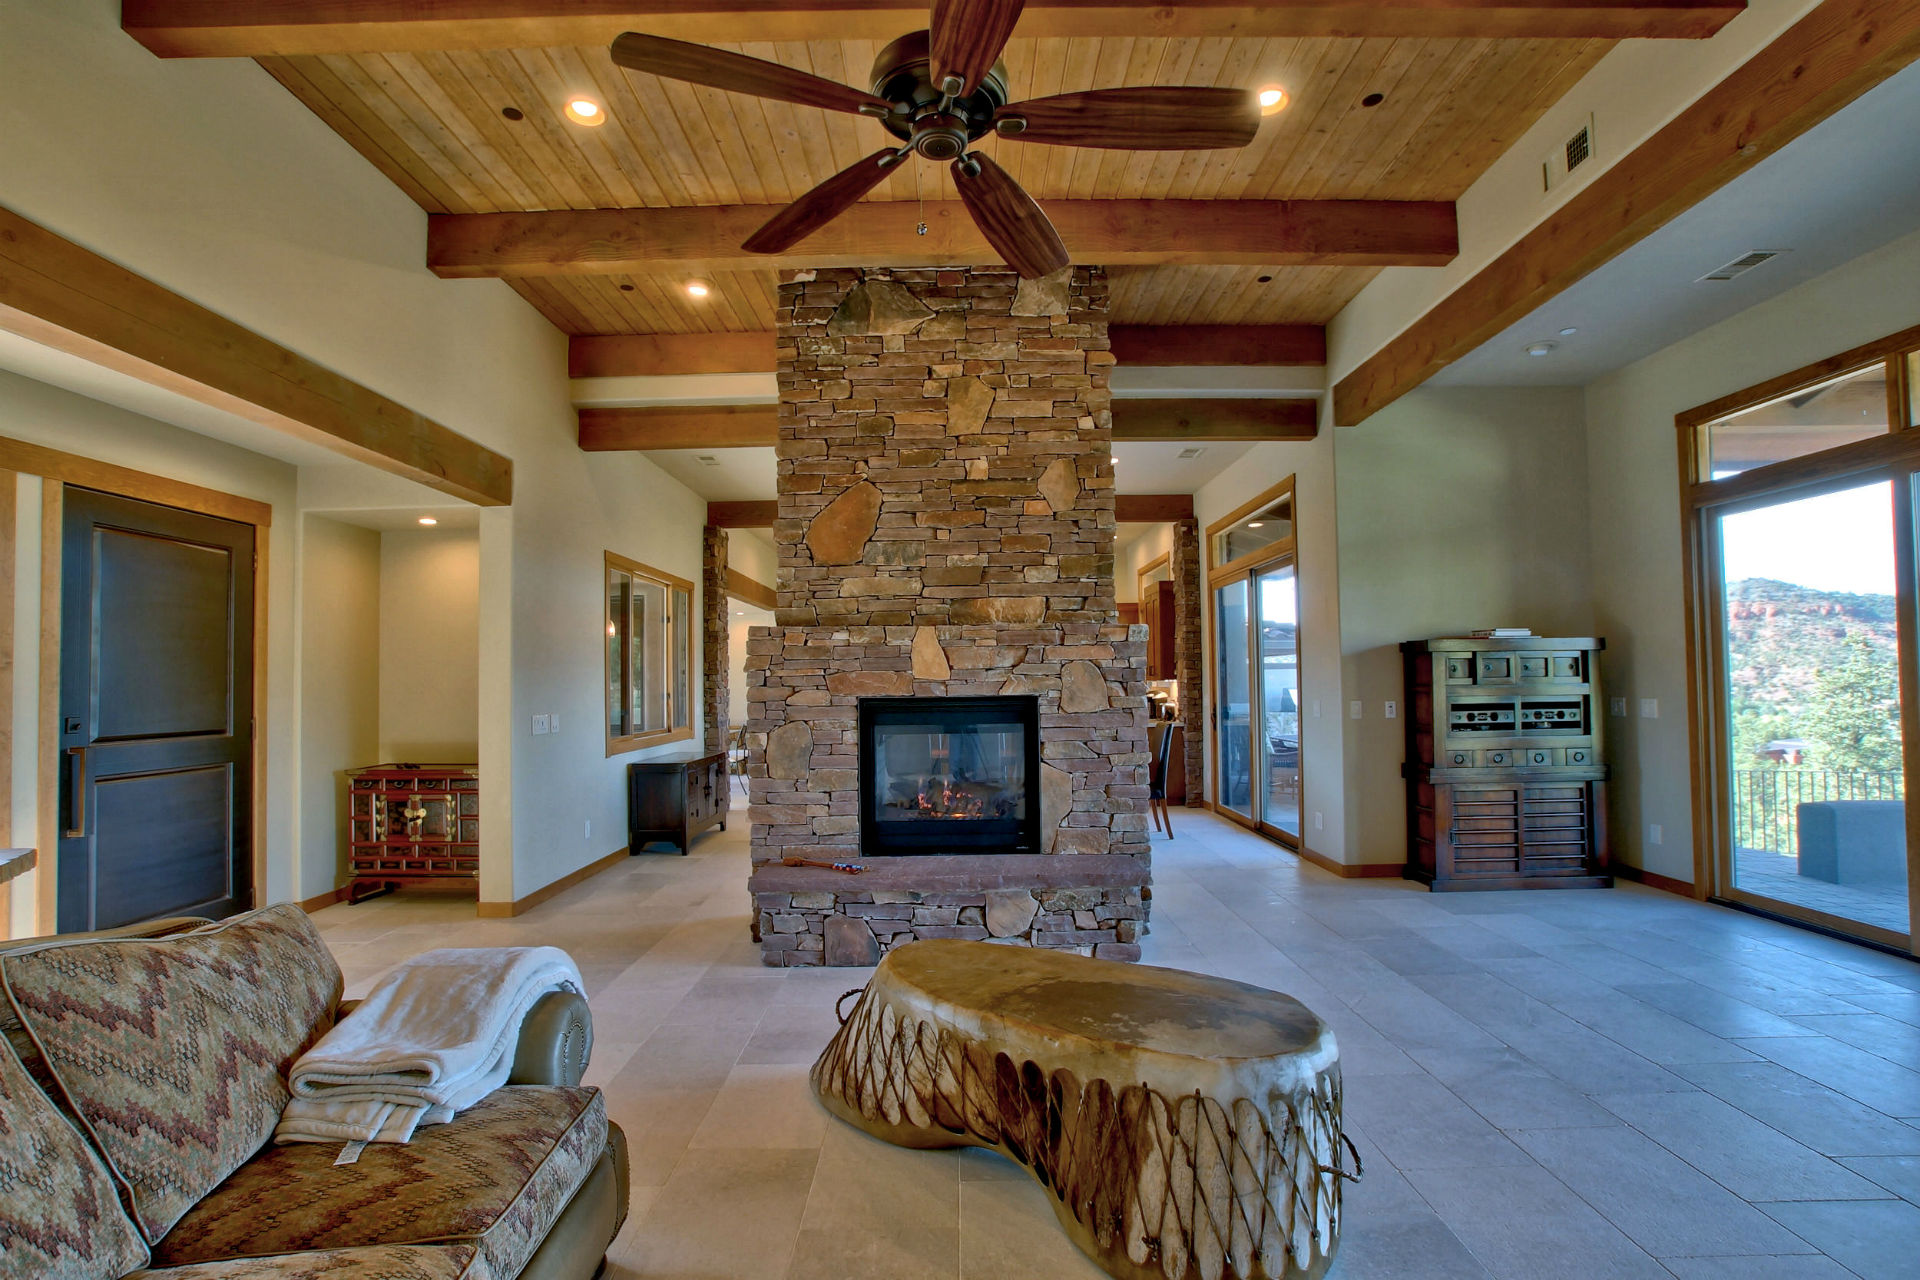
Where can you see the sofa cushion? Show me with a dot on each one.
(173, 1052)
(497, 1176)
(60, 1218)
(377, 1262)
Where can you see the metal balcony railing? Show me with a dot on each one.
(1765, 801)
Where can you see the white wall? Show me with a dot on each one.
(430, 645)
(340, 632)
(751, 552)
(741, 619)
(1635, 513)
(1458, 509)
(1154, 541)
(208, 177)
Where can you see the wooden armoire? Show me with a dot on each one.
(1505, 768)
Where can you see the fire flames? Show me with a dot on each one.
(945, 802)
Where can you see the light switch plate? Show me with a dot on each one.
(541, 725)
(1318, 822)
(1649, 708)
(1654, 833)
(1393, 710)
(554, 721)
(1356, 709)
(1617, 705)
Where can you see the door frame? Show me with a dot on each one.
(57, 470)
(1894, 458)
(1249, 567)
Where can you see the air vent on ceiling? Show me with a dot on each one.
(707, 460)
(1740, 265)
(1570, 155)
(1193, 451)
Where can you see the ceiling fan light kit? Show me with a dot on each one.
(941, 90)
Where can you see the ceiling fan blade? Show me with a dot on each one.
(1013, 224)
(702, 64)
(821, 205)
(1148, 118)
(967, 38)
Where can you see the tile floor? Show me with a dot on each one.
(1583, 1084)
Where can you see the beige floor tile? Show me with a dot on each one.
(764, 1106)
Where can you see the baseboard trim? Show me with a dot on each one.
(1652, 879)
(321, 901)
(1353, 870)
(505, 910)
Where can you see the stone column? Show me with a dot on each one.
(1189, 599)
(715, 660)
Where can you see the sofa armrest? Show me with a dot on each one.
(556, 1041)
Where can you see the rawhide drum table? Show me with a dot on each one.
(1185, 1126)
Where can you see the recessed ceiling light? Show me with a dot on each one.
(1568, 332)
(1541, 348)
(1373, 99)
(1273, 100)
(513, 113)
(698, 288)
(428, 520)
(585, 111)
(1256, 524)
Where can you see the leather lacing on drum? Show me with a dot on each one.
(1180, 1186)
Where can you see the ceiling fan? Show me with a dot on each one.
(941, 90)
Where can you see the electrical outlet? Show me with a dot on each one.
(1356, 709)
(554, 721)
(1617, 705)
(1649, 708)
(1653, 833)
(1319, 823)
(1316, 708)
(588, 833)
(1393, 710)
(541, 724)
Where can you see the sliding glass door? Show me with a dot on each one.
(1256, 665)
(1801, 518)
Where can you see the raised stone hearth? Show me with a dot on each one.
(945, 529)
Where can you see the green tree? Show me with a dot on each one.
(1852, 719)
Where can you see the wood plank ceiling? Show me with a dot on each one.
(436, 124)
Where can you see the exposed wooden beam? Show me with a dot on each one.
(66, 297)
(701, 426)
(1152, 508)
(1218, 344)
(1136, 421)
(1811, 70)
(742, 515)
(1268, 233)
(265, 28)
(641, 355)
(741, 587)
(629, 355)
(745, 426)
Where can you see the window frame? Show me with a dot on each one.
(620, 743)
(1893, 457)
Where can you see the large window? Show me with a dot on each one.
(649, 626)
(1256, 666)
(1800, 512)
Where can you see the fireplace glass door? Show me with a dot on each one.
(949, 775)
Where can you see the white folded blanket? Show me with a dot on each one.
(432, 1039)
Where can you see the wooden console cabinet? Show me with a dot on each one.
(409, 823)
(1505, 768)
(675, 798)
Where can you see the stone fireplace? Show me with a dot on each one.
(947, 698)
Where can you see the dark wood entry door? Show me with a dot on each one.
(156, 713)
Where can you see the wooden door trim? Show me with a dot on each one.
(91, 473)
(57, 470)
(9, 552)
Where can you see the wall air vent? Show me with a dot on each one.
(1740, 265)
(1568, 156)
(1193, 451)
(707, 460)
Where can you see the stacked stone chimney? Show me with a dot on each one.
(945, 527)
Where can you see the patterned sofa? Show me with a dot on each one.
(141, 1075)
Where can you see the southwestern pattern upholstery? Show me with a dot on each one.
(173, 1052)
(60, 1218)
(497, 1176)
(376, 1262)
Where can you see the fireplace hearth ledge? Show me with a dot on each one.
(965, 873)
